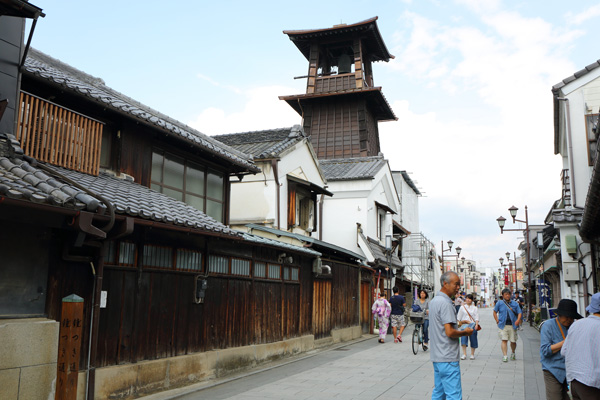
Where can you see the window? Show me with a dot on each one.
(381, 223)
(290, 274)
(188, 260)
(218, 264)
(592, 127)
(240, 267)
(184, 180)
(260, 270)
(158, 257)
(274, 271)
(122, 254)
(301, 208)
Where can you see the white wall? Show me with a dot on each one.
(354, 202)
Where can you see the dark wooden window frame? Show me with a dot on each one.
(184, 191)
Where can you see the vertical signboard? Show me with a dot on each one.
(69, 344)
(543, 293)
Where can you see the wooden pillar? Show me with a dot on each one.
(69, 346)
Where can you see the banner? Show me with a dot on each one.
(543, 293)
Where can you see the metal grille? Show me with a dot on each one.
(274, 271)
(188, 260)
(158, 257)
(260, 270)
(240, 267)
(218, 264)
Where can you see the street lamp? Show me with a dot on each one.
(501, 222)
(450, 244)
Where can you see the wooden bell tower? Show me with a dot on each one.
(341, 107)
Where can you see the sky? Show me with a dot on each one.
(470, 84)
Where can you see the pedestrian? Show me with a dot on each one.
(445, 347)
(521, 303)
(398, 303)
(582, 354)
(382, 309)
(458, 301)
(468, 314)
(423, 302)
(552, 337)
(507, 314)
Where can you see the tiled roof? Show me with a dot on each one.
(20, 180)
(71, 79)
(352, 168)
(271, 242)
(379, 253)
(576, 75)
(264, 144)
(330, 247)
(25, 180)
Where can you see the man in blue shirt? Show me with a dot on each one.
(552, 337)
(443, 338)
(507, 314)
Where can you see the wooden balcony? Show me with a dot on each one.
(56, 135)
(337, 83)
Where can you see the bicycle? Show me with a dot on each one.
(417, 338)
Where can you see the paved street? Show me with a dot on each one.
(365, 369)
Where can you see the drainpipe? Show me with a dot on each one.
(321, 216)
(92, 360)
(274, 163)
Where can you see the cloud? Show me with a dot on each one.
(578, 19)
(217, 84)
(262, 110)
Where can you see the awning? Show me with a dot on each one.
(310, 186)
(552, 269)
(400, 229)
(384, 207)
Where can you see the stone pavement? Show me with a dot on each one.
(365, 369)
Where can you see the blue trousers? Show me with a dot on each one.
(446, 377)
(426, 331)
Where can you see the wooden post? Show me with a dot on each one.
(69, 344)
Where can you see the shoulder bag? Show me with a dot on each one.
(478, 325)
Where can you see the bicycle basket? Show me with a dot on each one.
(417, 317)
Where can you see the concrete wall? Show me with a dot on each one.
(136, 380)
(28, 355)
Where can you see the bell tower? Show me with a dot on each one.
(341, 107)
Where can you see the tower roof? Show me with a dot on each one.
(367, 29)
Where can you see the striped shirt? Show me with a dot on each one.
(582, 351)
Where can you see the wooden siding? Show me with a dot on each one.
(58, 136)
(341, 129)
(366, 301)
(322, 308)
(335, 83)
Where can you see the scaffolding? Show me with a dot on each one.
(420, 262)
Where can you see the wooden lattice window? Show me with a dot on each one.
(59, 136)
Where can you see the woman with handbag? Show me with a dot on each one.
(468, 315)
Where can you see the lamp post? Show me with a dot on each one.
(501, 222)
(458, 250)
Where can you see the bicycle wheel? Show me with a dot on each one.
(415, 341)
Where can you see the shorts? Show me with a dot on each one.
(508, 333)
(398, 320)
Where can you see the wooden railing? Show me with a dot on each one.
(59, 136)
